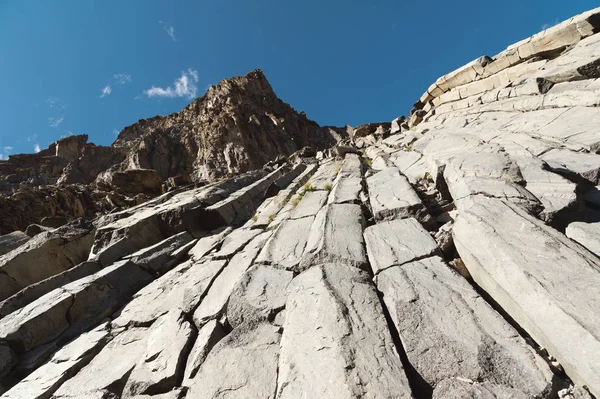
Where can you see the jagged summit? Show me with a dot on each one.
(451, 254)
(238, 125)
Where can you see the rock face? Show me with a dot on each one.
(450, 254)
(237, 126)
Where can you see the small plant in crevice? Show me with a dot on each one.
(271, 217)
(328, 187)
(254, 218)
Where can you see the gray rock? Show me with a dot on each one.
(216, 298)
(583, 165)
(448, 331)
(310, 204)
(181, 288)
(37, 290)
(325, 174)
(397, 242)
(109, 369)
(455, 388)
(161, 366)
(346, 190)
(13, 240)
(336, 343)
(235, 241)
(587, 234)
(208, 336)
(209, 242)
(77, 305)
(286, 246)
(545, 282)
(556, 193)
(258, 295)
(392, 197)
(242, 365)
(336, 235)
(45, 255)
(159, 257)
(65, 363)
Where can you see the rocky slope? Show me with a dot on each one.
(455, 258)
(237, 126)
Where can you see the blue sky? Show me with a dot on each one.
(72, 67)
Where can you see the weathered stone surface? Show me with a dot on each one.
(268, 211)
(45, 255)
(64, 364)
(392, 197)
(132, 181)
(587, 234)
(258, 295)
(586, 166)
(35, 291)
(236, 241)
(13, 240)
(242, 365)
(286, 246)
(37, 323)
(449, 331)
(346, 190)
(109, 369)
(325, 174)
(208, 336)
(462, 185)
(336, 236)
(310, 204)
(335, 342)
(397, 242)
(159, 257)
(75, 306)
(162, 363)
(544, 281)
(181, 288)
(209, 242)
(556, 193)
(140, 227)
(217, 296)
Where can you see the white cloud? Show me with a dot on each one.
(117, 79)
(32, 138)
(122, 78)
(36, 148)
(8, 149)
(106, 90)
(185, 86)
(171, 32)
(169, 29)
(55, 122)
